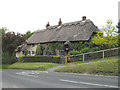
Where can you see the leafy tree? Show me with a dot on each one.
(10, 41)
(3, 30)
(28, 34)
(40, 50)
(106, 36)
(26, 52)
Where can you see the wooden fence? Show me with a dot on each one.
(92, 55)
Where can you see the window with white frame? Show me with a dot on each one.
(29, 52)
(33, 52)
(61, 52)
(46, 52)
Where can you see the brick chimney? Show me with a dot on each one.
(47, 25)
(83, 18)
(60, 22)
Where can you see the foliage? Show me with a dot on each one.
(110, 38)
(85, 50)
(40, 50)
(41, 58)
(21, 60)
(8, 59)
(5, 58)
(10, 41)
(80, 45)
(26, 52)
(53, 46)
(3, 30)
(77, 45)
(28, 34)
(73, 52)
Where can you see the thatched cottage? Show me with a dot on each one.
(64, 34)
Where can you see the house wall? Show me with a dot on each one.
(18, 54)
(31, 49)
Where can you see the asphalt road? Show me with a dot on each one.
(48, 79)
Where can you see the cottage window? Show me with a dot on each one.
(23, 52)
(33, 45)
(29, 52)
(33, 52)
(61, 52)
(46, 52)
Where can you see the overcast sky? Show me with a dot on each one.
(23, 15)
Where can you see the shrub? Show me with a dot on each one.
(46, 58)
(21, 60)
(40, 50)
(7, 59)
(85, 50)
(73, 52)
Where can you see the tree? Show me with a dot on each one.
(28, 34)
(26, 52)
(10, 41)
(106, 36)
(3, 31)
(40, 50)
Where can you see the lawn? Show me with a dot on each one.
(30, 66)
(93, 60)
(100, 67)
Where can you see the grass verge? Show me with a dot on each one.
(30, 66)
(93, 60)
(106, 67)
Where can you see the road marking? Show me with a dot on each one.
(88, 83)
(31, 72)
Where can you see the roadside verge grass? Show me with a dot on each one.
(30, 66)
(93, 60)
(105, 67)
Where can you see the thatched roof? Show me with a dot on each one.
(73, 31)
(21, 48)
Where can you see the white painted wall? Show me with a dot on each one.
(30, 48)
(18, 54)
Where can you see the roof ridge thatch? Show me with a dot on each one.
(65, 24)
(72, 31)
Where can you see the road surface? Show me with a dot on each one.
(47, 79)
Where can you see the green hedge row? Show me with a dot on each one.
(52, 59)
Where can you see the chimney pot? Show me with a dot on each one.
(83, 18)
(47, 25)
(60, 22)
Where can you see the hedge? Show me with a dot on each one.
(52, 59)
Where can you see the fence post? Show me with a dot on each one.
(65, 59)
(103, 54)
(83, 58)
